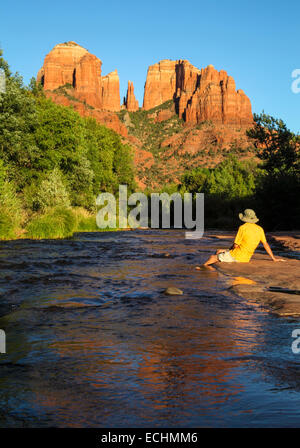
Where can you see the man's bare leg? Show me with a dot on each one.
(212, 259)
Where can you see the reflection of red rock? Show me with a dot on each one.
(72, 64)
(200, 95)
(131, 102)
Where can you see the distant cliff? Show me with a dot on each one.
(199, 95)
(190, 117)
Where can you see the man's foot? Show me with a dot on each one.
(205, 267)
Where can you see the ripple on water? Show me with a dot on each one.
(92, 340)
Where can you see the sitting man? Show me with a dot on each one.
(246, 241)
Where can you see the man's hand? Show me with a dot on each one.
(269, 252)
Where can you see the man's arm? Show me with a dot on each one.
(234, 246)
(269, 252)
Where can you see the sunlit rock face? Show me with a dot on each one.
(199, 95)
(72, 65)
(131, 103)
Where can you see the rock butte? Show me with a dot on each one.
(199, 95)
(70, 64)
(72, 76)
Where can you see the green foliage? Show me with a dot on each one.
(10, 209)
(228, 188)
(110, 160)
(278, 186)
(230, 178)
(150, 132)
(86, 222)
(4, 65)
(7, 225)
(18, 122)
(51, 192)
(276, 145)
(277, 199)
(54, 157)
(58, 222)
(36, 88)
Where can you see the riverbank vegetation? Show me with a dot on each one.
(271, 187)
(54, 163)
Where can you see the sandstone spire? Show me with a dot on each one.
(131, 102)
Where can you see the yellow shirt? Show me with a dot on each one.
(248, 238)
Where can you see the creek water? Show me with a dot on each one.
(92, 340)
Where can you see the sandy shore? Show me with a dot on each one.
(275, 285)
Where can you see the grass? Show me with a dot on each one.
(8, 227)
(85, 221)
(54, 223)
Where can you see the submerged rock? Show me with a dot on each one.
(171, 291)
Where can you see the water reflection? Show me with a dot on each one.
(93, 341)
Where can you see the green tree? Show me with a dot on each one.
(4, 65)
(111, 160)
(231, 178)
(276, 145)
(52, 192)
(18, 121)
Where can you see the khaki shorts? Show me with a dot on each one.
(225, 257)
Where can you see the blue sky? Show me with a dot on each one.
(257, 42)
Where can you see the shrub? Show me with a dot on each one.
(10, 211)
(8, 226)
(59, 222)
(85, 221)
(52, 192)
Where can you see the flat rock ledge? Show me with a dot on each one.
(290, 242)
(266, 274)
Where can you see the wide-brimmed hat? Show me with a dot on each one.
(248, 216)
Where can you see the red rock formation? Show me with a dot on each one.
(111, 92)
(216, 99)
(160, 84)
(199, 95)
(88, 82)
(59, 65)
(131, 102)
(72, 64)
